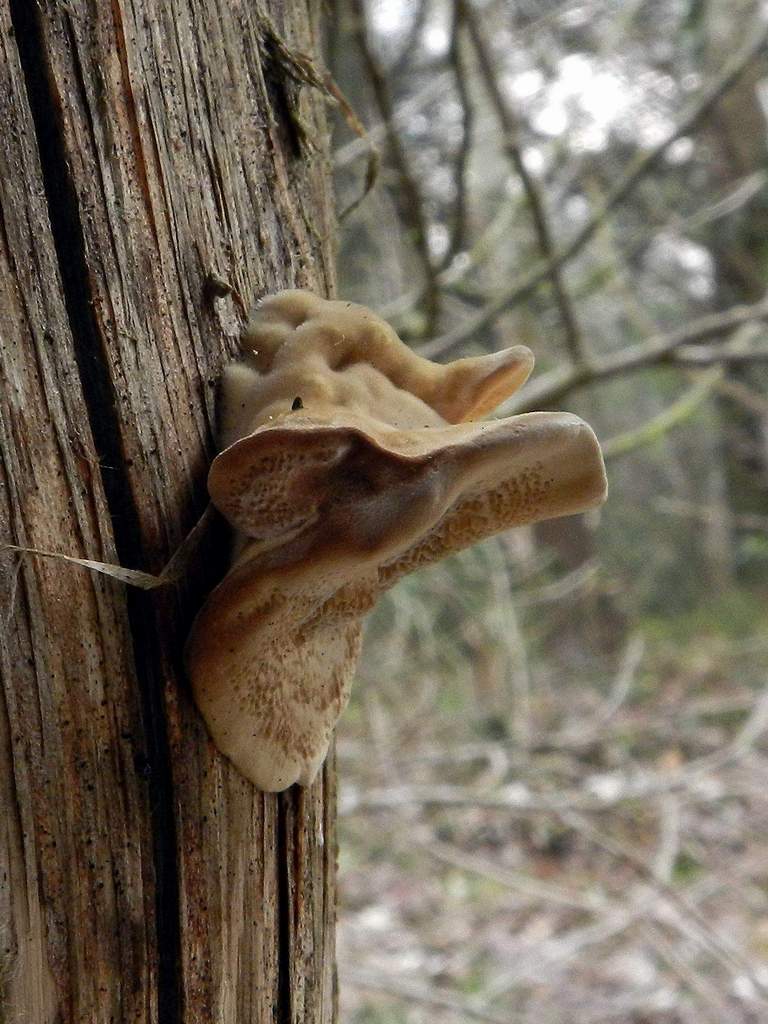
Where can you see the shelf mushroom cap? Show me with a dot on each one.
(349, 461)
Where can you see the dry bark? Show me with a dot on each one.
(143, 146)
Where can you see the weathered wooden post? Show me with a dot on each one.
(144, 147)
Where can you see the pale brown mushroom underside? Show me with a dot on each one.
(347, 462)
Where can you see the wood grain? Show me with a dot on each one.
(145, 146)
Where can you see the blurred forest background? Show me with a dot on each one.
(554, 770)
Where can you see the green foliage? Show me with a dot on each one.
(686, 869)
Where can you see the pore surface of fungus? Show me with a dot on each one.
(347, 461)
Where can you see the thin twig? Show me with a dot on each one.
(659, 426)
(411, 203)
(740, 392)
(560, 588)
(173, 571)
(401, 64)
(711, 1003)
(745, 190)
(517, 881)
(425, 994)
(596, 793)
(552, 955)
(622, 687)
(553, 386)
(458, 236)
(511, 131)
(355, 125)
(435, 87)
(744, 521)
(700, 355)
(721, 947)
(668, 847)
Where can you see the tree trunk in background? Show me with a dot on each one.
(737, 134)
(143, 146)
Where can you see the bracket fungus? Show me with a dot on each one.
(348, 461)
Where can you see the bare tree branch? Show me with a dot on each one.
(458, 240)
(659, 426)
(720, 946)
(401, 64)
(425, 994)
(511, 131)
(757, 38)
(739, 392)
(411, 203)
(528, 885)
(661, 348)
(711, 1004)
(745, 521)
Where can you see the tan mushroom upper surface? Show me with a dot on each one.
(347, 461)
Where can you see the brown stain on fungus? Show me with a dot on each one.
(381, 467)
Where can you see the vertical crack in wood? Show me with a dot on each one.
(101, 402)
(284, 1008)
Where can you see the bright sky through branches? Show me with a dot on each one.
(588, 97)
